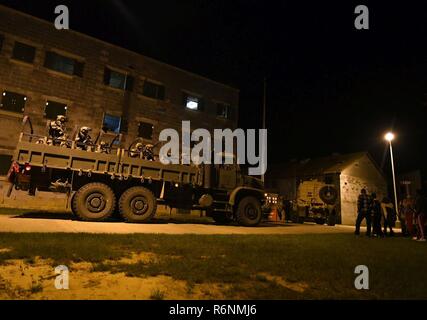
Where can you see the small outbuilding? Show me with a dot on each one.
(349, 173)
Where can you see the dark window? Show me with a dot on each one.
(54, 109)
(118, 80)
(145, 130)
(63, 64)
(153, 90)
(23, 52)
(112, 123)
(223, 110)
(192, 102)
(14, 102)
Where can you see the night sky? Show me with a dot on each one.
(330, 88)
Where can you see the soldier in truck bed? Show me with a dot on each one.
(57, 129)
(83, 139)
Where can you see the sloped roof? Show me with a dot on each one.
(318, 166)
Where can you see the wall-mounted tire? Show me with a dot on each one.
(249, 213)
(328, 194)
(137, 204)
(94, 202)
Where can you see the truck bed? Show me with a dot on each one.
(117, 163)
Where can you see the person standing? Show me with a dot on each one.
(406, 216)
(420, 212)
(389, 215)
(376, 216)
(364, 204)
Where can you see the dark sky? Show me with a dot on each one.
(331, 88)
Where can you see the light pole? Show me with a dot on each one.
(389, 137)
(264, 106)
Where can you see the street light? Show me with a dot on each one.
(389, 137)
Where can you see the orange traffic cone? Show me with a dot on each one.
(274, 215)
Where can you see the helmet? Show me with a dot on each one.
(61, 118)
(85, 130)
(139, 146)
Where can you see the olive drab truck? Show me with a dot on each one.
(316, 201)
(102, 179)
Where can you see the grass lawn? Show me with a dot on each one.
(317, 266)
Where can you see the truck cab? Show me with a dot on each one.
(229, 186)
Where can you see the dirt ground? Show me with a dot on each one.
(35, 280)
(20, 279)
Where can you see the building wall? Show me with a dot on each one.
(361, 174)
(87, 97)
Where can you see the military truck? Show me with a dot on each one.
(316, 201)
(99, 184)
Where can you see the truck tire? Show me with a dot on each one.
(137, 204)
(320, 221)
(294, 216)
(94, 202)
(249, 213)
(301, 213)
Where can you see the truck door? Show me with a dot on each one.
(227, 176)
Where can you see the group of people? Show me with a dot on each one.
(57, 134)
(381, 216)
(414, 213)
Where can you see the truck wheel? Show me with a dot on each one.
(319, 221)
(137, 204)
(94, 202)
(249, 213)
(301, 213)
(294, 216)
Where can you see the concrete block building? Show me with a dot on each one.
(45, 72)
